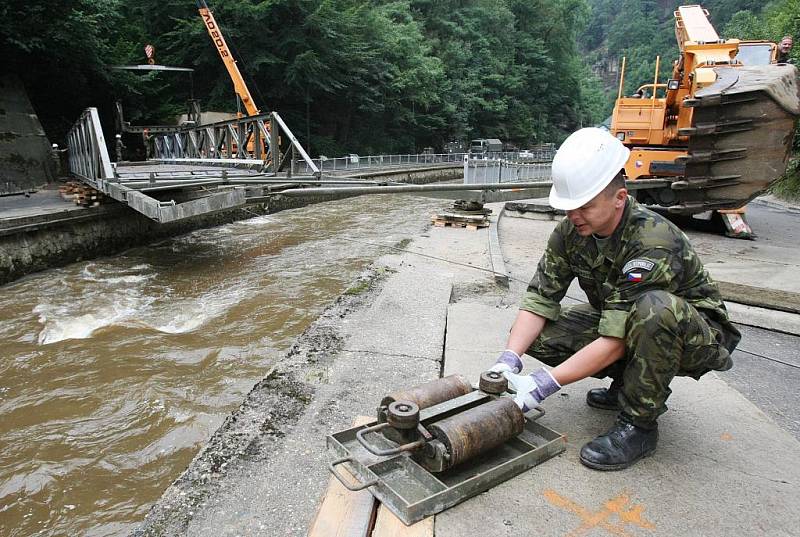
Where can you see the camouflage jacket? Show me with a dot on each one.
(646, 252)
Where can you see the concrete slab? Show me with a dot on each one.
(41, 202)
(763, 318)
(395, 340)
(407, 319)
(722, 467)
(279, 494)
(476, 336)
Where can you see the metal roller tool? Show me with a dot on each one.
(439, 443)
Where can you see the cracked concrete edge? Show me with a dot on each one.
(768, 319)
(774, 202)
(286, 390)
(393, 354)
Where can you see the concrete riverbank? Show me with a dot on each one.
(43, 231)
(724, 465)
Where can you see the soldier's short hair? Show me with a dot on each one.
(616, 183)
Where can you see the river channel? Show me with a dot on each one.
(115, 372)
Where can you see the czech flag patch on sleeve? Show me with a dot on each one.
(635, 269)
(634, 276)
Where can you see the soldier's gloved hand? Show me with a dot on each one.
(532, 389)
(508, 362)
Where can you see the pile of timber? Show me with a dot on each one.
(463, 214)
(81, 194)
(472, 222)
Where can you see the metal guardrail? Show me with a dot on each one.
(359, 162)
(478, 171)
(88, 154)
(363, 162)
(254, 139)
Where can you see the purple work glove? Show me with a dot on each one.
(532, 389)
(508, 362)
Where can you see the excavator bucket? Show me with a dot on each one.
(740, 139)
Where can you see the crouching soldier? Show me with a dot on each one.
(653, 310)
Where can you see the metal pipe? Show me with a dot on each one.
(134, 185)
(245, 181)
(172, 187)
(394, 189)
(429, 394)
(305, 182)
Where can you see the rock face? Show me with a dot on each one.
(25, 159)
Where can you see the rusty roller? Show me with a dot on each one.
(468, 434)
(431, 393)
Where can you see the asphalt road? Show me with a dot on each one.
(774, 226)
(766, 370)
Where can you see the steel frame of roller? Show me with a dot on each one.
(413, 492)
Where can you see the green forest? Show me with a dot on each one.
(365, 76)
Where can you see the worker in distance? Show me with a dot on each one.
(653, 310)
(785, 49)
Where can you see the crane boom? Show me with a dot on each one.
(692, 24)
(239, 85)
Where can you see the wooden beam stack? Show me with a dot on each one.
(81, 194)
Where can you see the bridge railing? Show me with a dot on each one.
(88, 154)
(264, 139)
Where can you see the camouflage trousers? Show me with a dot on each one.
(665, 336)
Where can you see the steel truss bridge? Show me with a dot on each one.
(199, 169)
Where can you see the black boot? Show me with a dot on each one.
(605, 398)
(620, 447)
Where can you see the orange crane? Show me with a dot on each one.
(239, 85)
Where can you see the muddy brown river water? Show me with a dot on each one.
(114, 372)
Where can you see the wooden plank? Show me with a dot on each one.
(343, 513)
(388, 525)
(452, 223)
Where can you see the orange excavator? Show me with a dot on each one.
(716, 134)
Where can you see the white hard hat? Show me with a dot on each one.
(584, 164)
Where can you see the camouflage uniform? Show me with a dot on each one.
(645, 285)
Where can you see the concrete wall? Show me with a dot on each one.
(25, 161)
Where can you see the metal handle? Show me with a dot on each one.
(538, 409)
(385, 452)
(361, 486)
